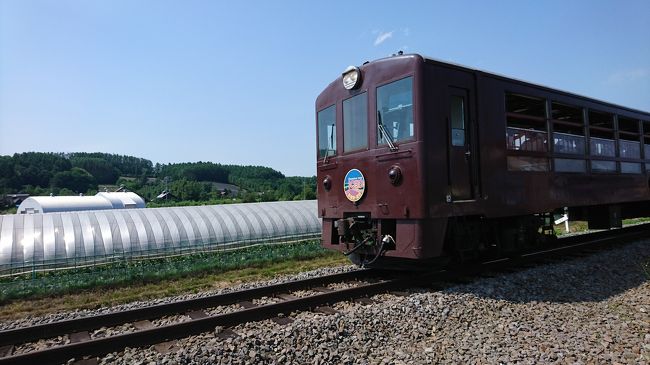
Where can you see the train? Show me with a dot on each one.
(420, 160)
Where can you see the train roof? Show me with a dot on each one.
(531, 84)
(501, 77)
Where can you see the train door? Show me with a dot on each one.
(460, 154)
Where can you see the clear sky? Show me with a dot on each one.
(236, 81)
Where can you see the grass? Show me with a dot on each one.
(140, 280)
(636, 220)
(581, 226)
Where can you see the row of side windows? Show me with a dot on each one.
(581, 139)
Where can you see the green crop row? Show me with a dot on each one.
(125, 272)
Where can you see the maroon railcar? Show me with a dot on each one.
(420, 159)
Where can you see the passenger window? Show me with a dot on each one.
(355, 123)
(568, 137)
(327, 132)
(646, 141)
(629, 138)
(395, 110)
(526, 123)
(601, 141)
(568, 129)
(457, 111)
(601, 132)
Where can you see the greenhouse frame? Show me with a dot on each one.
(34, 242)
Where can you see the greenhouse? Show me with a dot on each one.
(101, 201)
(30, 242)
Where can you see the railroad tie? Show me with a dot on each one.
(247, 304)
(6, 350)
(197, 314)
(226, 333)
(166, 347)
(282, 320)
(326, 310)
(143, 325)
(81, 336)
(399, 293)
(89, 361)
(286, 296)
(322, 289)
(364, 301)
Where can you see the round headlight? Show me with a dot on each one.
(351, 77)
(395, 175)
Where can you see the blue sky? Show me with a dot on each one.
(235, 82)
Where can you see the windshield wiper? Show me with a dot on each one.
(384, 133)
(327, 151)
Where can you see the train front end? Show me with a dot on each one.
(370, 175)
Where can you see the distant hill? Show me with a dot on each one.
(39, 173)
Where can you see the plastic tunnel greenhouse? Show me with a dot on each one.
(41, 241)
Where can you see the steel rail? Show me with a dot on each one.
(53, 329)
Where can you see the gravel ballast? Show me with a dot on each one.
(588, 310)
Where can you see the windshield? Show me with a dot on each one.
(327, 132)
(395, 110)
(355, 123)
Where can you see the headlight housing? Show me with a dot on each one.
(395, 175)
(327, 182)
(351, 77)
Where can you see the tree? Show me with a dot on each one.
(103, 171)
(77, 180)
(37, 168)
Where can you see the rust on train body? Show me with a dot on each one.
(419, 159)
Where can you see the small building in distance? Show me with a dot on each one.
(14, 199)
(101, 201)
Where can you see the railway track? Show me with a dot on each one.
(82, 345)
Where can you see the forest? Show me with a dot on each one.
(189, 183)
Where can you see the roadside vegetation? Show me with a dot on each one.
(582, 226)
(126, 281)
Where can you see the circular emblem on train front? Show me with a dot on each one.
(354, 185)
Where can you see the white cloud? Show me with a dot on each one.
(628, 75)
(382, 37)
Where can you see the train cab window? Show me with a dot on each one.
(355, 123)
(395, 111)
(327, 132)
(526, 123)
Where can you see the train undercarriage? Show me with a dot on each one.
(377, 243)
